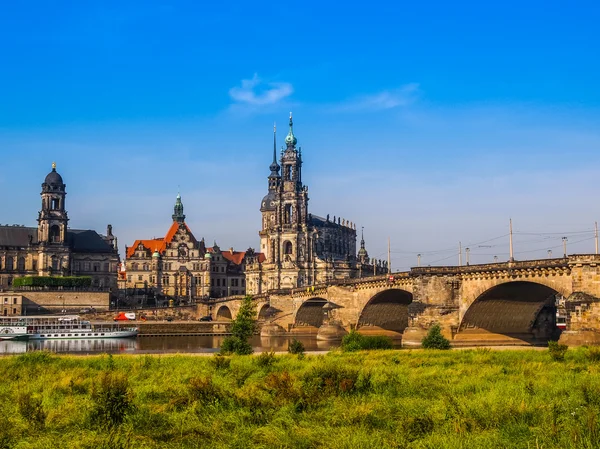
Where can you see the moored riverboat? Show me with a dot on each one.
(60, 327)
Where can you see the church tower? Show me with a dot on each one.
(284, 233)
(52, 219)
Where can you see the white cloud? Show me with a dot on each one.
(257, 92)
(387, 99)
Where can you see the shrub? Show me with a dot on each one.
(266, 359)
(434, 339)
(296, 347)
(203, 389)
(557, 351)
(242, 328)
(356, 342)
(220, 362)
(112, 399)
(52, 281)
(593, 353)
(31, 409)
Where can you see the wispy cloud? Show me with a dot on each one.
(387, 99)
(257, 92)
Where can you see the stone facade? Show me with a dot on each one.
(301, 249)
(54, 249)
(40, 301)
(180, 266)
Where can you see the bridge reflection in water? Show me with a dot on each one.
(156, 345)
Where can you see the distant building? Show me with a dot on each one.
(54, 249)
(179, 266)
(301, 249)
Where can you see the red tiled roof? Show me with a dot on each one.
(159, 244)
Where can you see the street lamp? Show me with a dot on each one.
(564, 239)
(549, 254)
(495, 259)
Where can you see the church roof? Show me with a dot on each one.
(79, 240)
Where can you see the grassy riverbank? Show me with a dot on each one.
(428, 399)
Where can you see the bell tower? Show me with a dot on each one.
(52, 219)
(178, 215)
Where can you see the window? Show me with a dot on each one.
(287, 247)
(96, 266)
(55, 204)
(14, 311)
(14, 300)
(106, 266)
(140, 277)
(86, 266)
(129, 278)
(287, 214)
(9, 264)
(21, 264)
(54, 236)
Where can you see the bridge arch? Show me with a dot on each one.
(310, 313)
(264, 312)
(224, 313)
(387, 310)
(522, 310)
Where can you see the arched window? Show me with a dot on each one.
(21, 264)
(287, 214)
(287, 247)
(54, 234)
(55, 263)
(9, 263)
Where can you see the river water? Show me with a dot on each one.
(154, 345)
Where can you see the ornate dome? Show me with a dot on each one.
(268, 202)
(53, 177)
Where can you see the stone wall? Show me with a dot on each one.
(36, 302)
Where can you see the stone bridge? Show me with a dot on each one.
(501, 303)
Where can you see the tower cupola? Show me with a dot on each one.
(178, 215)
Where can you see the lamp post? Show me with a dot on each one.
(549, 254)
(418, 260)
(467, 252)
(495, 259)
(564, 239)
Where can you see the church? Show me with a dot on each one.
(54, 249)
(301, 249)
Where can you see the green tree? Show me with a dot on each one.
(435, 339)
(242, 328)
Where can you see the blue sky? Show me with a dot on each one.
(428, 122)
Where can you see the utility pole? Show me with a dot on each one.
(467, 251)
(510, 242)
(418, 260)
(564, 239)
(389, 257)
(459, 254)
(596, 235)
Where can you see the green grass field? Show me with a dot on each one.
(380, 399)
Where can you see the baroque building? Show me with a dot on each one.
(301, 249)
(54, 249)
(178, 266)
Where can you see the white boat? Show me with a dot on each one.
(60, 327)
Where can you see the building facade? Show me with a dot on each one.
(54, 249)
(300, 249)
(178, 266)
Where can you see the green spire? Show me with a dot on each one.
(290, 139)
(178, 210)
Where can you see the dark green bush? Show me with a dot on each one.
(51, 281)
(557, 351)
(113, 400)
(296, 347)
(357, 342)
(434, 339)
(220, 362)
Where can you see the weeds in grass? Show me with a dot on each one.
(266, 359)
(113, 399)
(416, 398)
(30, 408)
(557, 351)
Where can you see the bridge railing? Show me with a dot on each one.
(539, 263)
